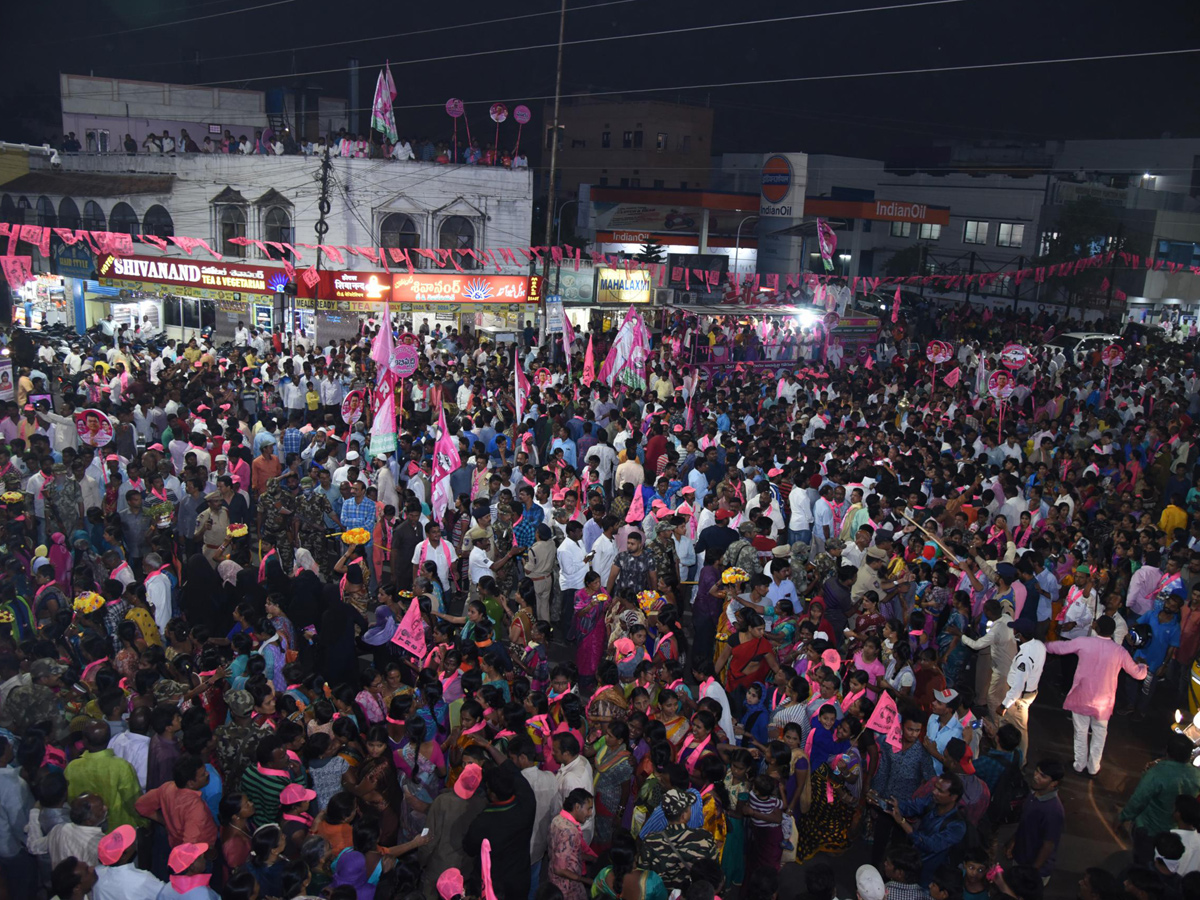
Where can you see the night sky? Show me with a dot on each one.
(878, 116)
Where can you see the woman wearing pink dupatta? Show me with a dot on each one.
(60, 558)
(590, 630)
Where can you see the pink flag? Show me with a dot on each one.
(951, 379)
(17, 270)
(637, 509)
(521, 396)
(311, 276)
(589, 365)
(383, 428)
(410, 633)
(779, 388)
(485, 869)
(886, 720)
(445, 461)
(896, 307)
(568, 338)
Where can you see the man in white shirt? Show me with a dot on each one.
(1144, 584)
(822, 520)
(604, 549)
(439, 552)
(133, 745)
(574, 772)
(1024, 676)
(118, 877)
(545, 793)
(402, 151)
(79, 837)
(606, 455)
(241, 335)
(385, 484)
(800, 521)
(572, 567)
(158, 590)
(1079, 608)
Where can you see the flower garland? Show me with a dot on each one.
(88, 602)
(734, 575)
(236, 531)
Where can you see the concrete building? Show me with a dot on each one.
(219, 198)
(631, 144)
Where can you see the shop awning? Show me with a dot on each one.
(88, 184)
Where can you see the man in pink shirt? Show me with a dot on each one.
(1093, 693)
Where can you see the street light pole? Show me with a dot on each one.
(737, 246)
(558, 238)
(550, 193)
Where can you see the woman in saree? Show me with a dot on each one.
(421, 766)
(352, 567)
(591, 634)
(613, 768)
(621, 879)
(376, 785)
(608, 704)
(836, 789)
(748, 655)
(673, 721)
(728, 589)
(783, 633)
(650, 791)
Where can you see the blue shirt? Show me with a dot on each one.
(934, 834)
(358, 515)
(525, 531)
(335, 500)
(568, 449)
(292, 441)
(941, 734)
(1164, 636)
(657, 820)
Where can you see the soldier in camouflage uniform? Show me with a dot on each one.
(276, 512)
(237, 740)
(36, 704)
(741, 553)
(312, 506)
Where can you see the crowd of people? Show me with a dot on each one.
(342, 143)
(685, 635)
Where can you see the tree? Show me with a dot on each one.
(652, 252)
(1082, 228)
(904, 262)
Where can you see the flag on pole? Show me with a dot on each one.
(383, 428)
(383, 117)
(951, 379)
(445, 461)
(568, 338)
(589, 365)
(896, 307)
(626, 360)
(521, 395)
(410, 632)
(827, 242)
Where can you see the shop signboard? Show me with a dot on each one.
(618, 286)
(225, 280)
(74, 260)
(346, 292)
(554, 314)
(459, 288)
(264, 317)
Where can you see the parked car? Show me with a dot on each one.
(1076, 344)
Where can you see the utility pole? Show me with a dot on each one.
(1112, 269)
(322, 227)
(1016, 286)
(970, 272)
(550, 192)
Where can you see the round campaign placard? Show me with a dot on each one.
(498, 112)
(939, 352)
(352, 406)
(522, 115)
(406, 359)
(454, 107)
(542, 377)
(93, 427)
(1000, 385)
(1014, 357)
(1112, 355)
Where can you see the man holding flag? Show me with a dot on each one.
(383, 115)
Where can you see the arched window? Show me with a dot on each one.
(46, 215)
(232, 224)
(8, 210)
(123, 220)
(158, 222)
(68, 213)
(399, 231)
(277, 227)
(458, 233)
(93, 217)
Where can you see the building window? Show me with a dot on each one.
(683, 185)
(457, 233)
(603, 181)
(68, 214)
(866, 226)
(231, 223)
(9, 213)
(96, 140)
(662, 140)
(399, 231)
(578, 143)
(627, 140)
(157, 222)
(931, 232)
(975, 232)
(93, 217)
(635, 182)
(1009, 234)
(902, 229)
(277, 228)
(606, 139)
(637, 140)
(659, 183)
(624, 182)
(123, 220)
(47, 216)
(687, 142)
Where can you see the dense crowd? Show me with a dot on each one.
(683, 634)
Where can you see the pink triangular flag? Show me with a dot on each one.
(951, 379)
(637, 509)
(410, 633)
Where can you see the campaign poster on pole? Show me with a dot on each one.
(554, 314)
(7, 388)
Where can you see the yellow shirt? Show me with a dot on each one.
(1172, 517)
(313, 399)
(191, 354)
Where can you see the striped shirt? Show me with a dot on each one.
(263, 786)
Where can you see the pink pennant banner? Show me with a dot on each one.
(952, 377)
(410, 632)
(38, 236)
(311, 276)
(17, 270)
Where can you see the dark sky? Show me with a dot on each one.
(866, 116)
